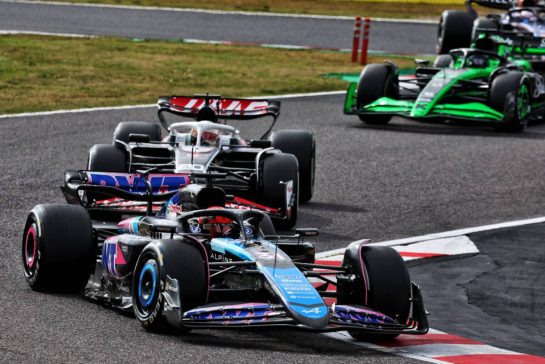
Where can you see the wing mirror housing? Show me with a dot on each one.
(422, 62)
(307, 232)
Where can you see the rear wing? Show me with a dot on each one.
(214, 107)
(495, 4)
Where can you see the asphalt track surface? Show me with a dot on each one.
(401, 180)
(497, 296)
(410, 38)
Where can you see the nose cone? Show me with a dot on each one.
(315, 316)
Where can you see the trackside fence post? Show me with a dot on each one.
(365, 40)
(356, 39)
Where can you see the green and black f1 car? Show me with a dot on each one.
(466, 84)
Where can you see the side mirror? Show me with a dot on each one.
(139, 138)
(307, 231)
(422, 62)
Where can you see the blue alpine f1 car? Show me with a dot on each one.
(197, 264)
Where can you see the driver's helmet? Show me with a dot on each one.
(193, 136)
(209, 137)
(527, 16)
(477, 60)
(220, 227)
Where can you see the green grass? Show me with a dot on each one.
(46, 73)
(429, 9)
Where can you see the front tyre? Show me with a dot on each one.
(376, 81)
(302, 145)
(124, 129)
(382, 283)
(509, 94)
(107, 158)
(168, 272)
(58, 248)
(274, 171)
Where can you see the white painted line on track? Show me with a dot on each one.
(220, 12)
(440, 347)
(344, 336)
(75, 111)
(144, 106)
(31, 32)
(445, 234)
(214, 42)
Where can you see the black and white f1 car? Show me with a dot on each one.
(217, 268)
(273, 173)
(460, 29)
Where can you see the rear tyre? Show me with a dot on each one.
(509, 94)
(382, 283)
(455, 30)
(58, 248)
(481, 25)
(274, 169)
(376, 81)
(126, 128)
(302, 145)
(175, 259)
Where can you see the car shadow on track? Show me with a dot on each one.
(276, 339)
(335, 207)
(535, 131)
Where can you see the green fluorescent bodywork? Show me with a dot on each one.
(471, 110)
(440, 84)
(429, 102)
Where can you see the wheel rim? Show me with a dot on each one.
(523, 104)
(147, 286)
(440, 35)
(30, 250)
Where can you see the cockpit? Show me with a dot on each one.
(220, 224)
(527, 20)
(202, 134)
(476, 58)
(527, 15)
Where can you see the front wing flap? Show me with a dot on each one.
(474, 111)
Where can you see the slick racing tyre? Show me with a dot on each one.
(382, 283)
(274, 170)
(482, 25)
(443, 61)
(58, 248)
(160, 263)
(509, 93)
(302, 145)
(126, 128)
(105, 158)
(376, 81)
(455, 28)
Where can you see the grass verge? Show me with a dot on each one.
(424, 9)
(40, 73)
